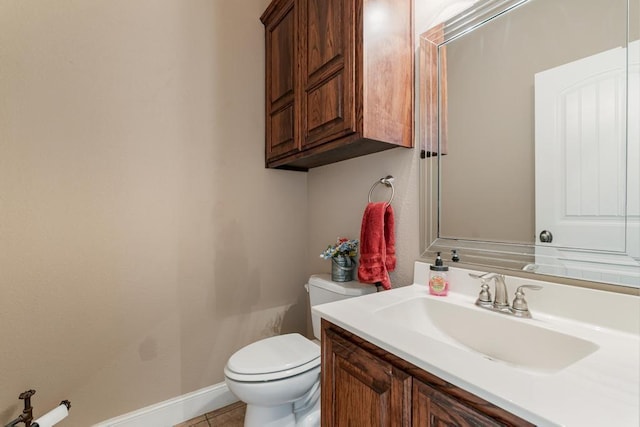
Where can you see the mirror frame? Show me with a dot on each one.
(518, 259)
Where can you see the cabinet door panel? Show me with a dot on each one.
(360, 389)
(328, 71)
(282, 59)
(432, 408)
(357, 398)
(282, 129)
(325, 28)
(324, 107)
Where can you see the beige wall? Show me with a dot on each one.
(141, 239)
(338, 196)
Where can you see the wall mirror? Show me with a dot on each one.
(529, 117)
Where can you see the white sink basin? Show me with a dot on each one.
(519, 342)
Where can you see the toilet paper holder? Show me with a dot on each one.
(27, 413)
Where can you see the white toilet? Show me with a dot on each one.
(279, 377)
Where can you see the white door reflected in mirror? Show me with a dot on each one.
(586, 196)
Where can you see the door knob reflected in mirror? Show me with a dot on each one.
(546, 236)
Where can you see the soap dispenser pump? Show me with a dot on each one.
(438, 280)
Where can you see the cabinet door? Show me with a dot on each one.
(328, 95)
(359, 389)
(432, 408)
(281, 46)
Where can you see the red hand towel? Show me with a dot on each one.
(377, 245)
(389, 239)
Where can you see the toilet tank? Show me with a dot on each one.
(323, 290)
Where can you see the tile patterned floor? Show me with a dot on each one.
(229, 416)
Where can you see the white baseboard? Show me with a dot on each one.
(176, 410)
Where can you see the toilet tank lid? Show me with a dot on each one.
(278, 353)
(353, 288)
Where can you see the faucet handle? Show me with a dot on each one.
(519, 306)
(484, 298)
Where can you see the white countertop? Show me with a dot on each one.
(602, 389)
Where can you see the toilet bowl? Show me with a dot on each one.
(279, 377)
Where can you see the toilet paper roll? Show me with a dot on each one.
(52, 417)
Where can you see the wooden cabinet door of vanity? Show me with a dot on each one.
(358, 389)
(347, 88)
(432, 408)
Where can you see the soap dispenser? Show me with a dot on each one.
(438, 281)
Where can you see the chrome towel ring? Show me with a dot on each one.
(388, 182)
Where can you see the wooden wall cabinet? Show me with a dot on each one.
(365, 385)
(281, 26)
(339, 80)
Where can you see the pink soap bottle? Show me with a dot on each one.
(438, 280)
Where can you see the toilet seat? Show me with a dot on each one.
(272, 376)
(273, 359)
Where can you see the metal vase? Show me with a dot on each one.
(342, 268)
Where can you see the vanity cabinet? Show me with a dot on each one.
(339, 80)
(363, 384)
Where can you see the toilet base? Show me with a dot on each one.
(282, 416)
(309, 417)
(270, 416)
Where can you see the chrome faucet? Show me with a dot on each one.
(501, 301)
